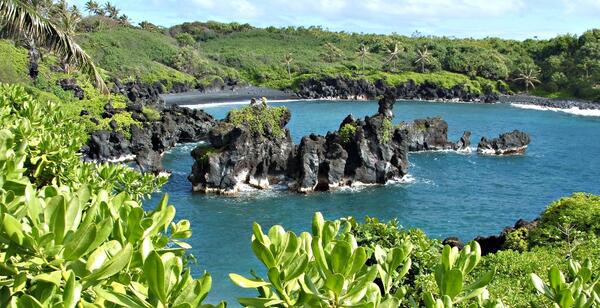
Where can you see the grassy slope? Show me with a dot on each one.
(129, 52)
(258, 55)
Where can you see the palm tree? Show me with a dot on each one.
(111, 10)
(124, 19)
(529, 77)
(394, 55)
(332, 52)
(423, 57)
(363, 52)
(287, 60)
(68, 21)
(20, 19)
(92, 7)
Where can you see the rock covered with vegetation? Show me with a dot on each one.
(514, 142)
(155, 133)
(353, 88)
(431, 134)
(251, 147)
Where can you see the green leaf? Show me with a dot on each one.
(556, 278)
(335, 283)
(317, 224)
(13, 229)
(565, 298)
(247, 283)
(72, 292)
(259, 302)
(453, 283)
(263, 254)
(52, 277)
(540, 286)
(120, 299)
(27, 301)
(339, 257)
(154, 271)
(112, 266)
(79, 243)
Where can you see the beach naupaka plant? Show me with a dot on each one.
(323, 269)
(450, 277)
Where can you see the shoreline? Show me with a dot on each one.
(242, 95)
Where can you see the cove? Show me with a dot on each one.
(446, 194)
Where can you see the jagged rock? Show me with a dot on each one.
(149, 161)
(347, 88)
(515, 142)
(140, 117)
(95, 121)
(84, 113)
(177, 125)
(239, 156)
(113, 124)
(453, 241)
(376, 154)
(431, 134)
(495, 243)
(106, 146)
(70, 84)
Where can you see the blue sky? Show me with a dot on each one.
(517, 19)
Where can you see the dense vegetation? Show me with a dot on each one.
(213, 53)
(74, 233)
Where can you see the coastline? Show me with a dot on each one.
(245, 94)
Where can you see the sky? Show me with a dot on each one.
(514, 19)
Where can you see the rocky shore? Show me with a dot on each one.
(515, 142)
(360, 89)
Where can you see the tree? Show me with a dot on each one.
(287, 60)
(363, 53)
(67, 20)
(20, 20)
(423, 58)
(529, 77)
(92, 7)
(331, 52)
(185, 39)
(111, 10)
(124, 20)
(394, 55)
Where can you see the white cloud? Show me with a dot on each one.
(583, 6)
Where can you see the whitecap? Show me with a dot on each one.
(572, 110)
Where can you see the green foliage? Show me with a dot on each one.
(577, 213)
(517, 240)
(261, 120)
(450, 276)
(151, 114)
(325, 269)
(74, 233)
(580, 292)
(13, 63)
(387, 130)
(185, 39)
(347, 132)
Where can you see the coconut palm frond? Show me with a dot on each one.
(18, 18)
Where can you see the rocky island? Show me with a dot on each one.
(253, 147)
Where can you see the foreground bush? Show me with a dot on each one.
(73, 233)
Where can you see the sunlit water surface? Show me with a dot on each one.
(462, 195)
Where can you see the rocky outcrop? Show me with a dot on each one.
(372, 153)
(147, 94)
(431, 134)
(495, 243)
(348, 88)
(515, 142)
(70, 84)
(149, 140)
(238, 156)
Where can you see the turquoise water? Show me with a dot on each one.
(463, 195)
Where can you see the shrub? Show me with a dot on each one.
(74, 233)
(517, 240)
(261, 120)
(347, 132)
(151, 114)
(579, 213)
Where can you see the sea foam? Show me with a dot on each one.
(572, 110)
